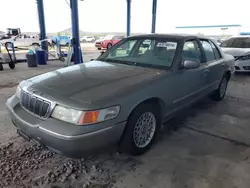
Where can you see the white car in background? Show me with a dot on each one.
(239, 47)
(24, 41)
(87, 39)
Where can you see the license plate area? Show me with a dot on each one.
(23, 135)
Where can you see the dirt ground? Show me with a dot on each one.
(205, 147)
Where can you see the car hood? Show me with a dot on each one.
(236, 51)
(90, 82)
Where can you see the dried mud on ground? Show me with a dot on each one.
(25, 165)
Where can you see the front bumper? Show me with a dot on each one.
(242, 66)
(70, 140)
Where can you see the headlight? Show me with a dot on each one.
(18, 92)
(243, 58)
(85, 117)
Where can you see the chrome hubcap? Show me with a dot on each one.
(144, 129)
(223, 87)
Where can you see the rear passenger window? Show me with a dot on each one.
(191, 51)
(216, 51)
(208, 50)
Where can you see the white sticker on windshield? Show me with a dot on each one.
(167, 44)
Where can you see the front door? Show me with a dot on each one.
(189, 84)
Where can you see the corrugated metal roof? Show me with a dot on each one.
(207, 26)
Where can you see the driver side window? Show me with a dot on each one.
(191, 51)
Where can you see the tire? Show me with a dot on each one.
(128, 141)
(109, 45)
(99, 48)
(84, 41)
(1, 67)
(220, 93)
(12, 65)
(36, 44)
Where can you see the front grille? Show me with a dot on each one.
(35, 105)
(246, 67)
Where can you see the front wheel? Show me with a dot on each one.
(141, 130)
(220, 93)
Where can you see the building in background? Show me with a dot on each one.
(211, 30)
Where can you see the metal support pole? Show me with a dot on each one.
(75, 32)
(154, 16)
(128, 17)
(42, 24)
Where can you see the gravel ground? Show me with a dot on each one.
(29, 165)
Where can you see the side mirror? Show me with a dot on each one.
(102, 52)
(191, 64)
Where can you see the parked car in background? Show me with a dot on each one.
(124, 95)
(110, 40)
(24, 41)
(10, 33)
(98, 43)
(87, 39)
(239, 47)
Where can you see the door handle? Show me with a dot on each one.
(206, 72)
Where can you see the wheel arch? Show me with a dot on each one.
(154, 100)
(35, 43)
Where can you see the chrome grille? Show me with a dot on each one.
(35, 105)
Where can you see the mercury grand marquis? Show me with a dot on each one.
(123, 96)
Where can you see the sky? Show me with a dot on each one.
(110, 15)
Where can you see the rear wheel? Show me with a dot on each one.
(36, 45)
(141, 130)
(109, 45)
(220, 93)
(99, 48)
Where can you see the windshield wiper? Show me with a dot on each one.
(118, 61)
(134, 63)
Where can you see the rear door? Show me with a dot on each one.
(214, 63)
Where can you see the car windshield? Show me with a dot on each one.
(158, 53)
(109, 37)
(242, 42)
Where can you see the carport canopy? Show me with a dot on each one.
(75, 25)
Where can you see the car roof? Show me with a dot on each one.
(241, 36)
(172, 36)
